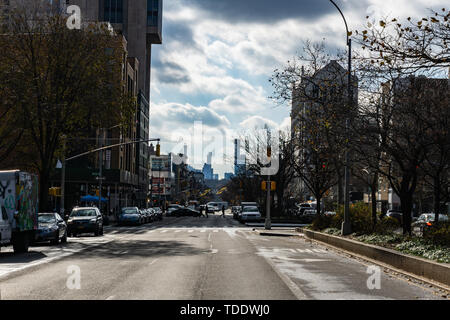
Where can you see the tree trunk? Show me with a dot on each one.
(374, 206)
(340, 190)
(406, 204)
(437, 197)
(318, 199)
(373, 190)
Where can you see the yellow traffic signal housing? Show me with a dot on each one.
(158, 150)
(54, 191)
(273, 185)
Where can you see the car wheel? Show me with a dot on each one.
(56, 239)
(101, 231)
(64, 238)
(97, 232)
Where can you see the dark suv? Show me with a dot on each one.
(85, 220)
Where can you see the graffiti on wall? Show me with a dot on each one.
(27, 201)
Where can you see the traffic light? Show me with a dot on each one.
(54, 191)
(273, 186)
(269, 152)
(158, 150)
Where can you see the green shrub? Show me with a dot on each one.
(360, 218)
(438, 233)
(387, 225)
(426, 249)
(321, 222)
(332, 231)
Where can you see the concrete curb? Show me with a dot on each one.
(434, 271)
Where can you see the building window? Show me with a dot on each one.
(152, 13)
(113, 11)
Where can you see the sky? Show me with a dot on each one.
(210, 77)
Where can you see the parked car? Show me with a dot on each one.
(158, 214)
(171, 208)
(427, 219)
(151, 214)
(250, 213)
(309, 212)
(186, 212)
(302, 207)
(235, 210)
(130, 215)
(85, 220)
(330, 213)
(147, 215)
(51, 227)
(396, 214)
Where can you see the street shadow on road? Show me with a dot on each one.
(11, 257)
(129, 249)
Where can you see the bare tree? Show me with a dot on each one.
(60, 82)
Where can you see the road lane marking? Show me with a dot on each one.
(110, 298)
(164, 231)
(153, 262)
(190, 231)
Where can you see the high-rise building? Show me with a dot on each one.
(208, 171)
(140, 22)
(209, 158)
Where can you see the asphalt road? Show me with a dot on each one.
(194, 259)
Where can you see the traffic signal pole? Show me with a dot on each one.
(268, 223)
(63, 169)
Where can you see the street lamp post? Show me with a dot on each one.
(346, 225)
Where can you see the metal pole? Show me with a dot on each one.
(268, 224)
(346, 225)
(63, 177)
(100, 173)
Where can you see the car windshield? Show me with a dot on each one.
(129, 211)
(83, 213)
(46, 218)
(250, 209)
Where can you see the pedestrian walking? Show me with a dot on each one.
(207, 211)
(201, 211)
(223, 211)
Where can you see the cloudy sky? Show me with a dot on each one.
(210, 76)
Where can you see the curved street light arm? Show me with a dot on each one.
(343, 17)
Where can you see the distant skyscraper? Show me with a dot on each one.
(208, 171)
(209, 158)
(185, 150)
(239, 160)
(228, 175)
